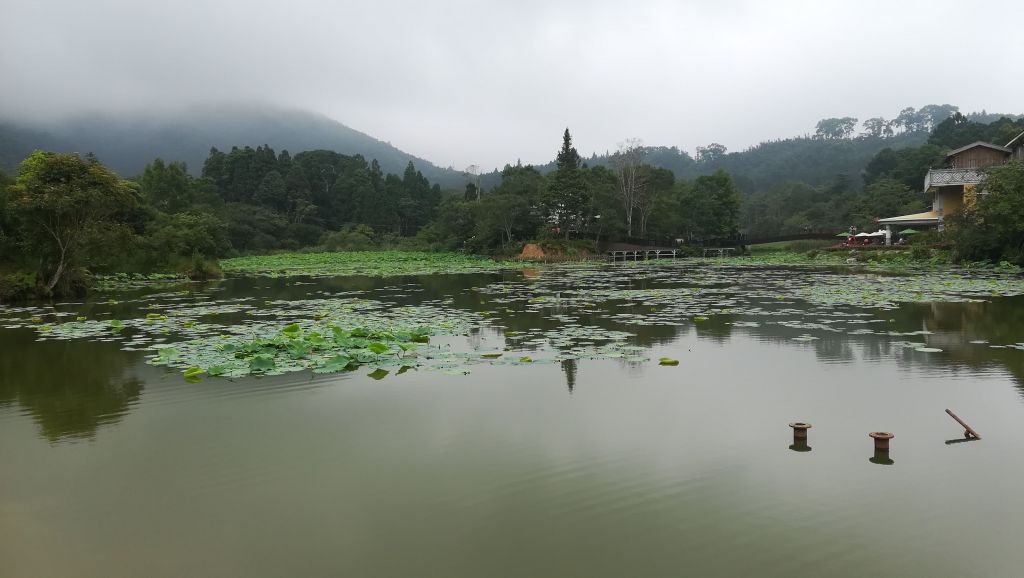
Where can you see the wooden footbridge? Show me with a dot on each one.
(650, 254)
(720, 247)
(641, 254)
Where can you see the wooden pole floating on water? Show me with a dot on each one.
(968, 430)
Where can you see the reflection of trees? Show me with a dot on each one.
(569, 368)
(952, 327)
(475, 337)
(955, 325)
(434, 287)
(875, 347)
(521, 320)
(717, 328)
(69, 388)
(833, 348)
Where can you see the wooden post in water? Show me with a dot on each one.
(968, 430)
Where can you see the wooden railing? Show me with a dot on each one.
(944, 177)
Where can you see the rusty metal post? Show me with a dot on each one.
(800, 436)
(968, 430)
(881, 440)
(800, 430)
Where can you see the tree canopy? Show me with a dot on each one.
(992, 227)
(60, 203)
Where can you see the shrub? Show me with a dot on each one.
(349, 238)
(17, 286)
(920, 253)
(568, 248)
(689, 251)
(929, 237)
(799, 246)
(182, 235)
(199, 268)
(992, 229)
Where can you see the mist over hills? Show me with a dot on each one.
(126, 143)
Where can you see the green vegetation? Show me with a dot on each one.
(992, 228)
(595, 306)
(790, 246)
(326, 349)
(66, 220)
(367, 263)
(907, 259)
(64, 209)
(259, 201)
(892, 174)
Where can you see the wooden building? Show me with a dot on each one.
(958, 182)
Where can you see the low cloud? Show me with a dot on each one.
(488, 82)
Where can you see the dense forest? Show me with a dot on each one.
(63, 211)
(64, 217)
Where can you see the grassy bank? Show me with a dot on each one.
(910, 258)
(369, 263)
(791, 246)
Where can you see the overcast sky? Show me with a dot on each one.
(487, 82)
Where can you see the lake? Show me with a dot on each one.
(535, 434)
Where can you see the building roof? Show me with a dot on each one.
(977, 144)
(1017, 140)
(926, 218)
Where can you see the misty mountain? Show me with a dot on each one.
(126, 143)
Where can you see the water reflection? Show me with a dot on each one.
(69, 388)
(464, 476)
(834, 349)
(962, 440)
(717, 328)
(800, 445)
(101, 388)
(976, 335)
(881, 458)
(569, 368)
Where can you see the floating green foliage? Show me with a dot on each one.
(589, 311)
(368, 263)
(127, 281)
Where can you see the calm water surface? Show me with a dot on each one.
(111, 467)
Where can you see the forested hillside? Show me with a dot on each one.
(126, 143)
(814, 161)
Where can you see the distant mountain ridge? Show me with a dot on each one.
(126, 143)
